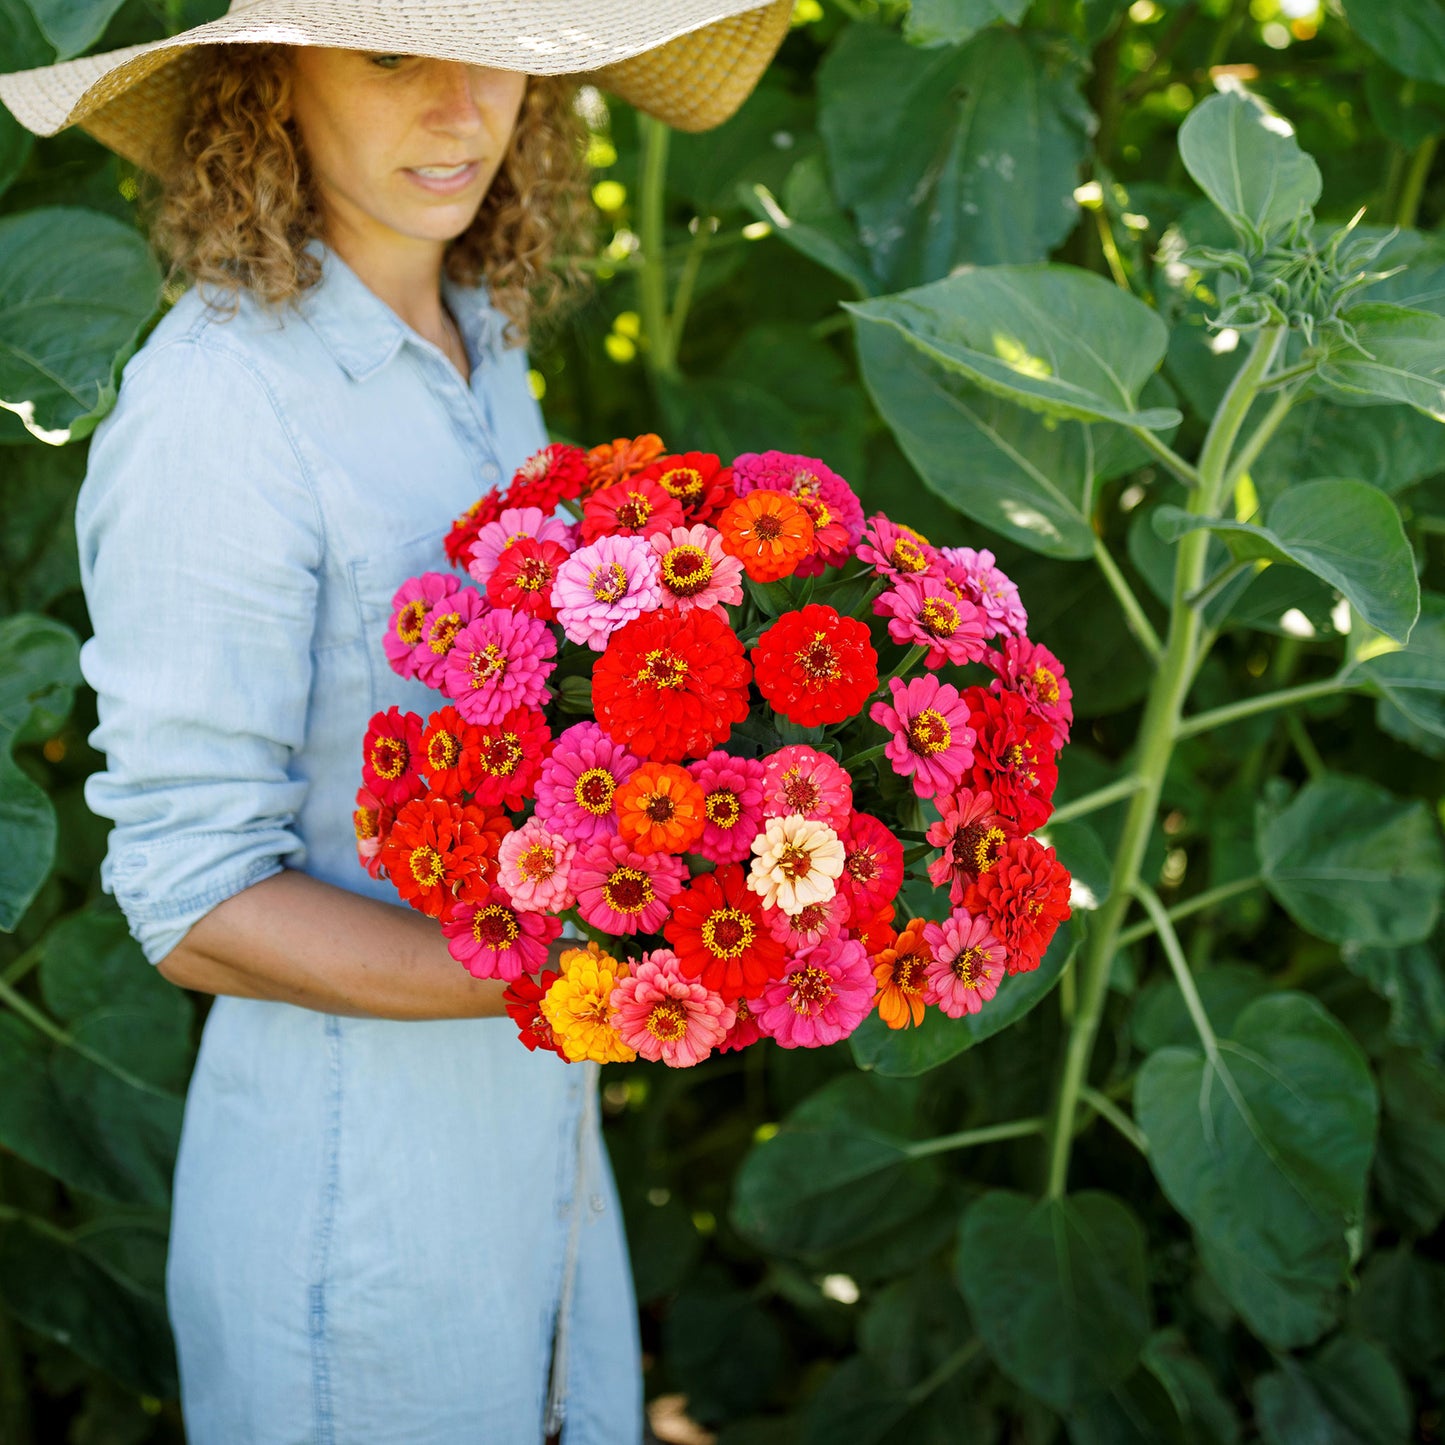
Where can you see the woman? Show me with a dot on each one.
(391, 1223)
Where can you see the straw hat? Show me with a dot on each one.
(690, 63)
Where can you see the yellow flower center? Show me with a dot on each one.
(794, 862)
(502, 755)
(663, 668)
(444, 629)
(1046, 684)
(608, 582)
(495, 927)
(938, 617)
(442, 751)
(388, 758)
(593, 791)
(723, 808)
(667, 1021)
(628, 890)
(681, 482)
(810, 990)
(800, 793)
(486, 664)
(907, 556)
(426, 865)
(686, 570)
(727, 932)
(409, 621)
(537, 864)
(818, 660)
(929, 733)
(635, 511)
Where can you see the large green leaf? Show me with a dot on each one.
(840, 1168)
(1265, 1151)
(1401, 1303)
(1410, 1167)
(1410, 680)
(979, 158)
(1410, 34)
(951, 22)
(1352, 863)
(69, 314)
(1399, 357)
(1054, 339)
(913, 1325)
(38, 560)
(1412, 980)
(906, 1053)
(1350, 1393)
(1347, 533)
(1057, 1289)
(22, 43)
(1246, 159)
(73, 25)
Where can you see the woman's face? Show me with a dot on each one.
(401, 144)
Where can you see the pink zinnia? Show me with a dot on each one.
(733, 801)
(409, 607)
(514, 524)
(577, 783)
(495, 939)
(598, 588)
(980, 582)
(534, 868)
(810, 925)
(972, 836)
(1032, 671)
(967, 964)
(667, 1017)
(620, 891)
(800, 779)
(831, 504)
(456, 611)
(693, 568)
(922, 610)
(932, 741)
(500, 661)
(826, 994)
(895, 550)
(872, 865)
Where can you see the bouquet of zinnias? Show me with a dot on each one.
(724, 817)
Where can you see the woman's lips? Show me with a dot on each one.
(444, 180)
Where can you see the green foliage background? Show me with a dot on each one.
(1193, 1192)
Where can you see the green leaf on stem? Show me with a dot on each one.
(1347, 533)
(1070, 1271)
(1350, 862)
(1410, 34)
(1265, 1150)
(1351, 1393)
(1410, 1165)
(951, 22)
(1411, 979)
(1400, 357)
(1410, 680)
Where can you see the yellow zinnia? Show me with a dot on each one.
(578, 1008)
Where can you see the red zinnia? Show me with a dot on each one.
(522, 998)
(872, 865)
(1013, 756)
(492, 825)
(718, 933)
(464, 530)
(553, 475)
(1025, 897)
(635, 508)
(671, 684)
(524, 576)
(431, 849)
(815, 666)
(506, 756)
(697, 481)
(448, 751)
(391, 756)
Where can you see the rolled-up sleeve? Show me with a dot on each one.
(200, 544)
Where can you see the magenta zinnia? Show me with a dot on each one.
(621, 891)
(932, 741)
(500, 662)
(823, 997)
(967, 964)
(495, 939)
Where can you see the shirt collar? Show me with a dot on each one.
(363, 333)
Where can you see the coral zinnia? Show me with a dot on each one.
(1013, 756)
(922, 610)
(603, 586)
(621, 891)
(635, 508)
(660, 809)
(718, 933)
(578, 1005)
(431, 848)
(815, 666)
(967, 963)
(512, 526)
(972, 837)
(797, 862)
(672, 684)
(800, 779)
(872, 864)
(1032, 671)
(534, 868)
(409, 607)
(822, 998)
(500, 662)
(522, 998)
(768, 532)
(391, 756)
(932, 741)
(1025, 897)
(493, 938)
(732, 791)
(694, 570)
(810, 924)
(901, 972)
(668, 1017)
(578, 783)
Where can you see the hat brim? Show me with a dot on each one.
(690, 63)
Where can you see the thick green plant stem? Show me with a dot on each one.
(660, 351)
(1153, 748)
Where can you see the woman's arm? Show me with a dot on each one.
(297, 940)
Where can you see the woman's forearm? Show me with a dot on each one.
(298, 940)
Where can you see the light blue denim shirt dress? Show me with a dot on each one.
(383, 1232)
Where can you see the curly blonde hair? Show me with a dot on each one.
(237, 207)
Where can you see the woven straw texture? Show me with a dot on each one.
(690, 63)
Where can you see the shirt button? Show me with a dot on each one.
(491, 472)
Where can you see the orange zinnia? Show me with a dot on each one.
(617, 460)
(661, 809)
(768, 532)
(900, 972)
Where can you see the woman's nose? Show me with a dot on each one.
(454, 95)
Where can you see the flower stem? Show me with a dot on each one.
(1180, 966)
(1109, 1111)
(909, 658)
(652, 278)
(1099, 798)
(1217, 717)
(969, 1138)
(1197, 904)
(1139, 624)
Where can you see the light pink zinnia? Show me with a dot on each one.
(895, 550)
(578, 781)
(922, 610)
(513, 524)
(416, 597)
(823, 997)
(932, 742)
(972, 836)
(732, 790)
(455, 612)
(975, 574)
(693, 568)
(534, 868)
(1031, 669)
(799, 779)
(796, 861)
(967, 964)
(667, 1017)
(600, 587)
(620, 891)
(495, 939)
(500, 661)
(810, 925)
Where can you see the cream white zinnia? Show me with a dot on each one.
(798, 861)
